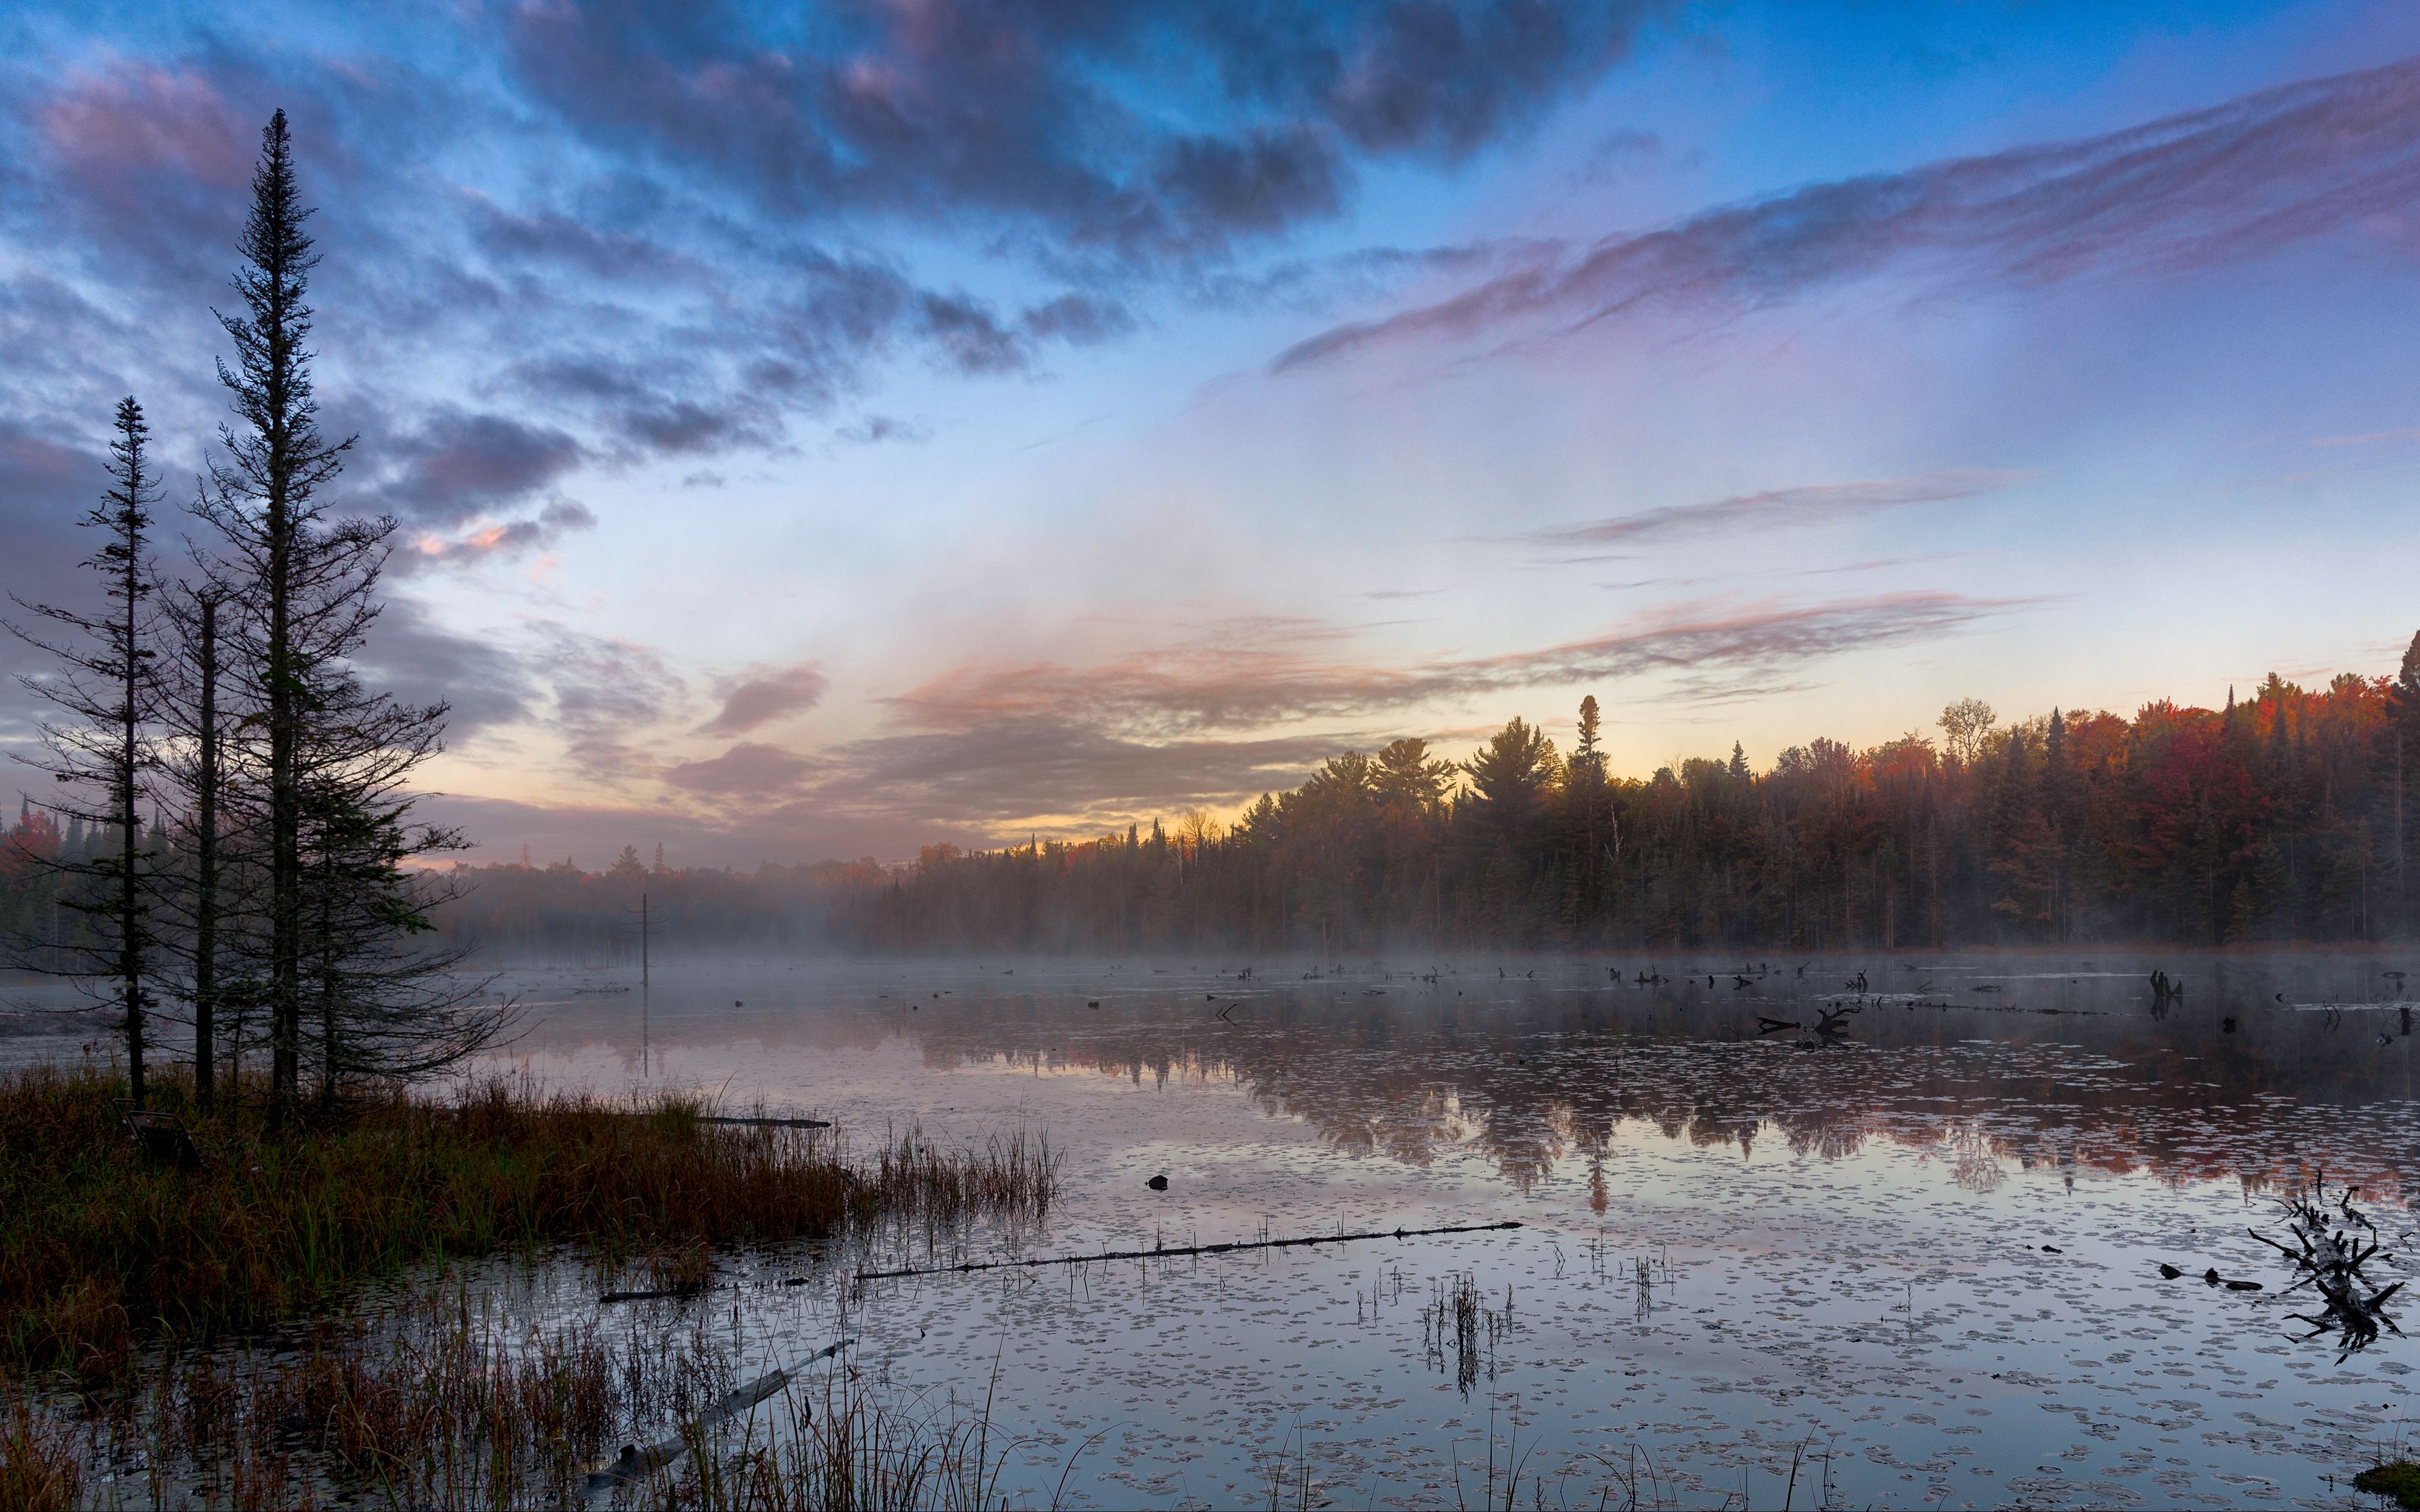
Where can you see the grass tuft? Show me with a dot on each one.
(2400, 1479)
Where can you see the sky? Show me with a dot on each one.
(830, 428)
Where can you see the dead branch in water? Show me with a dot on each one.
(1189, 1249)
(2330, 1256)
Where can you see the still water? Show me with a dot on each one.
(1909, 1264)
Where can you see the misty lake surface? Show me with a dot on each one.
(1912, 1265)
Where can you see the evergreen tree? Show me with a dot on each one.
(320, 789)
(101, 753)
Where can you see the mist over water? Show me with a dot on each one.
(1916, 1260)
(1912, 1262)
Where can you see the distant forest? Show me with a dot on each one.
(2278, 818)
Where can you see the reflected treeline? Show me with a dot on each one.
(2283, 817)
(2053, 1072)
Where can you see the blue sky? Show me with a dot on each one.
(827, 429)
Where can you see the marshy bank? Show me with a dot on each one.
(285, 1319)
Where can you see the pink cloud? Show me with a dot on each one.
(116, 132)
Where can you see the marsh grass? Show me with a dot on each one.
(101, 1252)
(42, 1457)
(439, 1400)
(840, 1446)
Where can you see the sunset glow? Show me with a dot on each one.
(827, 432)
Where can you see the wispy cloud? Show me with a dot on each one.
(2202, 189)
(2372, 439)
(1183, 690)
(1773, 509)
(499, 540)
(609, 696)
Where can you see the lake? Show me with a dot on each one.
(1912, 1262)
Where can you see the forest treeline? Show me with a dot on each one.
(2280, 817)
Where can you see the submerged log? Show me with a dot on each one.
(634, 1461)
(1189, 1249)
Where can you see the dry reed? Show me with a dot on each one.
(441, 1402)
(101, 1250)
(41, 1458)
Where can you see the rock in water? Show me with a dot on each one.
(1158, 1183)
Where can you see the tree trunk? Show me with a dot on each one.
(206, 860)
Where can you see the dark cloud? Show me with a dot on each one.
(1170, 692)
(1022, 109)
(410, 656)
(455, 465)
(679, 266)
(1773, 509)
(686, 427)
(47, 484)
(766, 695)
(1261, 184)
(551, 236)
(970, 336)
(44, 479)
(1077, 320)
(747, 771)
(2198, 190)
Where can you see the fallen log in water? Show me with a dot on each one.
(768, 1123)
(651, 1294)
(634, 1462)
(1189, 1249)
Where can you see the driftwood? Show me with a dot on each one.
(1189, 1249)
(634, 1462)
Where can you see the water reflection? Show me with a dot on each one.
(2025, 1063)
